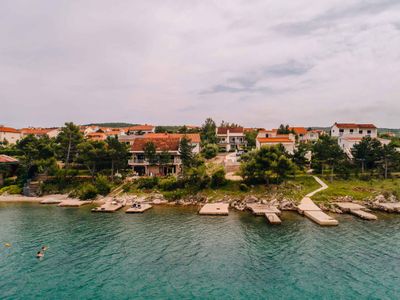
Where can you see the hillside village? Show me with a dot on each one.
(189, 158)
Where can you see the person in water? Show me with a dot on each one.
(40, 254)
(44, 248)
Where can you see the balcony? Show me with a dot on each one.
(144, 162)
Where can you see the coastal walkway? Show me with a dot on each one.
(356, 209)
(269, 211)
(308, 208)
(215, 209)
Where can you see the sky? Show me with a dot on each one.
(256, 63)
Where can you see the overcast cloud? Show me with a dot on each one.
(257, 63)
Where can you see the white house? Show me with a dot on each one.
(231, 138)
(9, 134)
(350, 134)
(354, 130)
(286, 141)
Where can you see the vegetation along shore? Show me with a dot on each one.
(198, 165)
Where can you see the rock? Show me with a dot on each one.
(286, 205)
(380, 198)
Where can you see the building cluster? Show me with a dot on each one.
(229, 139)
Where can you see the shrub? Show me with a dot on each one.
(197, 178)
(244, 187)
(87, 191)
(174, 195)
(218, 178)
(170, 184)
(147, 182)
(102, 185)
(11, 190)
(210, 150)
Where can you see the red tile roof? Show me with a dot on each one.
(7, 159)
(162, 144)
(140, 128)
(8, 129)
(274, 140)
(37, 131)
(298, 130)
(354, 125)
(194, 137)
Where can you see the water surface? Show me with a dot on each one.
(172, 253)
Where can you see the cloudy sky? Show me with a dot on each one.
(257, 63)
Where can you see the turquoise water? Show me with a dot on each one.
(172, 253)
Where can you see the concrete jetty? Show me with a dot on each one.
(73, 203)
(216, 209)
(108, 207)
(308, 208)
(143, 207)
(261, 209)
(269, 211)
(273, 218)
(355, 209)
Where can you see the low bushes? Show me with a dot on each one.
(87, 191)
(210, 151)
(147, 182)
(102, 185)
(218, 178)
(11, 190)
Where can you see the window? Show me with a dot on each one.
(369, 131)
(341, 130)
(351, 131)
(360, 132)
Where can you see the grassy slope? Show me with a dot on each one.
(358, 189)
(294, 189)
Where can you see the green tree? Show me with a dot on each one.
(92, 154)
(299, 156)
(164, 158)
(284, 129)
(327, 152)
(68, 140)
(150, 152)
(209, 151)
(265, 165)
(208, 132)
(160, 129)
(37, 155)
(390, 157)
(118, 154)
(367, 152)
(186, 152)
(251, 137)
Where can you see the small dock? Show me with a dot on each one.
(261, 209)
(73, 203)
(308, 208)
(141, 209)
(108, 207)
(273, 218)
(356, 209)
(271, 212)
(215, 209)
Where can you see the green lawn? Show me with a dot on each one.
(358, 189)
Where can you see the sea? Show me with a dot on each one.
(171, 252)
